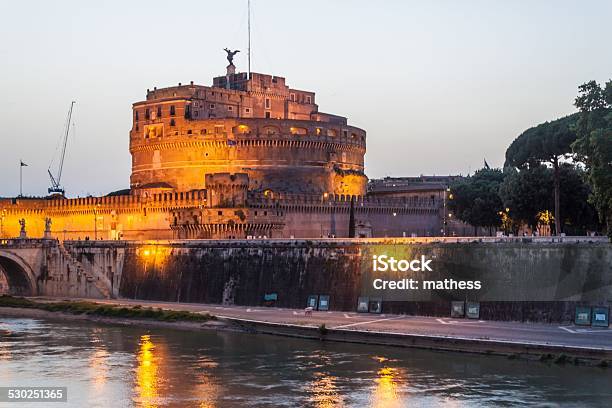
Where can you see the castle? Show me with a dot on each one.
(248, 157)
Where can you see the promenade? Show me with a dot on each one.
(496, 335)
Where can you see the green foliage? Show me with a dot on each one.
(475, 199)
(96, 309)
(579, 215)
(527, 193)
(545, 143)
(594, 144)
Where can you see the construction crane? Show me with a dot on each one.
(56, 187)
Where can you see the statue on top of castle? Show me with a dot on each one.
(22, 224)
(230, 55)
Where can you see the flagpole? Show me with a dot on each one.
(20, 178)
(249, 31)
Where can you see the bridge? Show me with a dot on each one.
(34, 267)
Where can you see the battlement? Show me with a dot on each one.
(107, 203)
(340, 201)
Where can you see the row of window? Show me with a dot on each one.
(148, 112)
(265, 213)
(308, 99)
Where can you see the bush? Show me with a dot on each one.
(96, 309)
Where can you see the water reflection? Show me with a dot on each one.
(325, 392)
(385, 393)
(99, 368)
(147, 373)
(207, 389)
(126, 366)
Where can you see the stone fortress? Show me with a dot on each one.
(248, 157)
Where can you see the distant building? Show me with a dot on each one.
(248, 156)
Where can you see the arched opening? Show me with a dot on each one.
(18, 279)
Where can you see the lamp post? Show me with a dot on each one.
(444, 227)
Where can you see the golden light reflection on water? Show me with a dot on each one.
(147, 373)
(385, 393)
(99, 368)
(207, 389)
(325, 392)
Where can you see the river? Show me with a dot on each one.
(117, 366)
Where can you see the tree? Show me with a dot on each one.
(579, 215)
(475, 199)
(594, 144)
(527, 193)
(548, 143)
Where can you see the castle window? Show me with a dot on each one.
(292, 97)
(147, 114)
(172, 110)
(268, 103)
(265, 213)
(267, 115)
(230, 108)
(212, 106)
(189, 132)
(136, 116)
(256, 213)
(187, 111)
(172, 122)
(220, 213)
(308, 99)
(345, 133)
(247, 110)
(159, 112)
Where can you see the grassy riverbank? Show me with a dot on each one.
(94, 309)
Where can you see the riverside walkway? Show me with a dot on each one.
(445, 328)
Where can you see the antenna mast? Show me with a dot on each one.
(249, 29)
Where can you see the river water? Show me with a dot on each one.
(115, 366)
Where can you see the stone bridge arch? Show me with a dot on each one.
(19, 274)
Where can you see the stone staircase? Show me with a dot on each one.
(75, 265)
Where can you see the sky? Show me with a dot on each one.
(439, 86)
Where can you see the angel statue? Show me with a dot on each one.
(22, 223)
(47, 224)
(230, 55)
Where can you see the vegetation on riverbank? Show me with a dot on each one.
(95, 309)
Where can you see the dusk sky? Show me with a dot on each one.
(437, 85)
